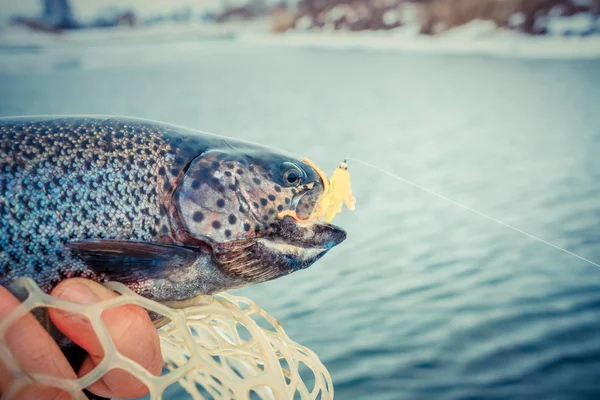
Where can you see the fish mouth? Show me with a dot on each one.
(306, 235)
(279, 246)
(302, 243)
(287, 247)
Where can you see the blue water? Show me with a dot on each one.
(424, 300)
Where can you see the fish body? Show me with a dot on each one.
(168, 211)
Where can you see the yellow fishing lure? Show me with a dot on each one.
(336, 192)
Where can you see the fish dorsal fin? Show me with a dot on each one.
(130, 261)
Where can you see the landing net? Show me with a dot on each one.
(220, 347)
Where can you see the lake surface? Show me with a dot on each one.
(424, 300)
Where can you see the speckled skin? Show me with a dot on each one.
(83, 196)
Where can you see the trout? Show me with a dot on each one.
(168, 211)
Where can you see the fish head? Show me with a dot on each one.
(232, 199)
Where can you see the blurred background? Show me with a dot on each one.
(493, 103)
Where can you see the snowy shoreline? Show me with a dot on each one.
(476, 38)
(473, 39)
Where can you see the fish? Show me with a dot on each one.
(168, 211)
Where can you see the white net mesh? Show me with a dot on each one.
(221, 347)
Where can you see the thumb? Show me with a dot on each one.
(129, 326)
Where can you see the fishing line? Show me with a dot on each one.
(514, 228)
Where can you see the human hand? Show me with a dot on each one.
(129, 326)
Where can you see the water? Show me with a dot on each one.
(424, 299)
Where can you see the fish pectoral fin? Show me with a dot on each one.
(130, 261)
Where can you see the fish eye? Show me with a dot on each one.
(292, 177)
(292, 174)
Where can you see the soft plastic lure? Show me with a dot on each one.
(336, 192)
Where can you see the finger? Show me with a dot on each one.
(35, 352)
(130, 328)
